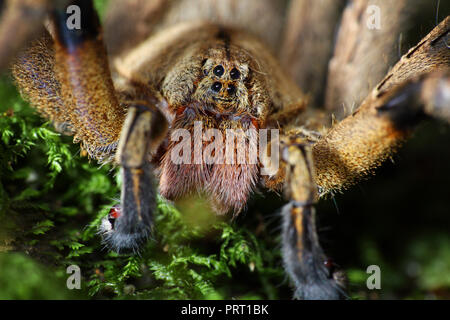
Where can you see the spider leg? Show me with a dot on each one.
(314, 277)
(144, 129)
(370, 32)
(262, 18)
(21, 22)
(129, 22)
(81, 66)
(308, 36)
(67, 78)
(416, 87)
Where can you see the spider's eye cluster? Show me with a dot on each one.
(219, 70)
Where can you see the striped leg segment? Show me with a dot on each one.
(66, 76)
(81, 66)
(311, 271)
(417, 87)
(144, 130)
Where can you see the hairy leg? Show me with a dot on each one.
(129, 22)
(67, 78)
(308, 43)
(319, 161)
(313, 274)
(21, 22)
(366, 47)
(144, 129)
(362, 141)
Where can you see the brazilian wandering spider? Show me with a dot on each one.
(170, 68)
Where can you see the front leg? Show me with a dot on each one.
(67, 79)
(312, 272)
(128, 226)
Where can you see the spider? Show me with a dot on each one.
(174, 64)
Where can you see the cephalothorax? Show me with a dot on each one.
(215, 67)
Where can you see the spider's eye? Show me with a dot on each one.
(235, 74)
(216, 86)
(219, 70)
(231, 90)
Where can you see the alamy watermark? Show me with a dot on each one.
(74, 280)
(73, 22)
(374, 280)
(374, 17)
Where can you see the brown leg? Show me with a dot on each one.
(365, 51)
(88, 92)
(312, 273)
(144, 129)
(129, 22)
(68, 80)
(34, 74)
(308, 43)
(363, 140)
(21, 22)
(86, 86)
